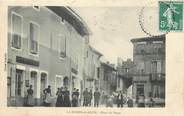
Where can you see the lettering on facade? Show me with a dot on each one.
(27, 61)
(139, 81)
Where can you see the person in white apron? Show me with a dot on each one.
(48, 95)
(30, 99)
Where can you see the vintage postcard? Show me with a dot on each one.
(92, 57)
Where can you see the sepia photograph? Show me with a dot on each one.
(67, 56)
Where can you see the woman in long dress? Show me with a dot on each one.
(109, 102)
(47, 93)
(30, 99)
(58, 94)
(60, 98)
(67, 98)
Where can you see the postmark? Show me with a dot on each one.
(167, 17)
(148, 19)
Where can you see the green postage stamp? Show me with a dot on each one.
(170, 16)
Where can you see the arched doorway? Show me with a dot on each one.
(66, 82)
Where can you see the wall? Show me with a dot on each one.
(145, 53)
(51, 32)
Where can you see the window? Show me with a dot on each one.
(141, 67)
(34, 35)
(98, 72)
(62, 47)
(126, 70)
(140, 89)
(16, 30)
(156, 67)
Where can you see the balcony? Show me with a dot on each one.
(158, 51)
(157, 77)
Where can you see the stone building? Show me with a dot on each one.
(92, 68)
(149, 72)
(108, 78)
(125, 71)
(46, 46)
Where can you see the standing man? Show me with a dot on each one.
(85, 95)
(120, 99)
(74, 98)
(96, 98)
(90, 96)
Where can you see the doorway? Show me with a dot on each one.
(18, 87)
(59, 82)
(33, 82)
(140, 89)
(43, 85)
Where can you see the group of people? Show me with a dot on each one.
(117, 98)
(47, 99)
(65, 100)
(140, 101)
(88, 96)
(63, 97)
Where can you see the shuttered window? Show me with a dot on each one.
(16, 30)
(34, 34)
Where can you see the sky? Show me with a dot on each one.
(113, 27)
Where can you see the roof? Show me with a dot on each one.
(108, 65)
(149, 39)
(71, 17)
(95, 51)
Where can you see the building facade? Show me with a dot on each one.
(92, 68)
(149, 72)
(108, 78)
(46, 46)
(125, 71)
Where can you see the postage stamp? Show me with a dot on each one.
(170, 16)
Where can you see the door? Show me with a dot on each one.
(66, 82)
(18, 87)
(43, 85)
(59, 82)
(34, 82)
(140, 89)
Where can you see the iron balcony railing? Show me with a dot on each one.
(157, 77)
